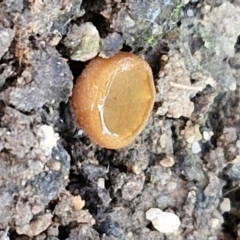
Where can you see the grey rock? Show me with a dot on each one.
(6, 37)
(50, 82)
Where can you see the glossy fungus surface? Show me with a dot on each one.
(113, 99)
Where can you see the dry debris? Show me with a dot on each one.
(175, 89)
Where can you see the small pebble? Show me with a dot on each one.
(101, 183)
(48, 138)
(81, 133)
(233, 86)
(164, 58)
(192, 133)
(89, 42)
(165, 222)
(196, 148)
(215, 222)
(225, 206)
(54, 165)
(6, 37)
(167, 162)
(207, 135)
(238, 143)
(78, 203)
(190, 13)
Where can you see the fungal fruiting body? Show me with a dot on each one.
(113, 99)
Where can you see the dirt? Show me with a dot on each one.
(57, 184)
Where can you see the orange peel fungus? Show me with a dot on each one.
(113, 99)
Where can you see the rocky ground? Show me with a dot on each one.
(185, 166)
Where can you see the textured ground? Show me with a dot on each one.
(56, 184)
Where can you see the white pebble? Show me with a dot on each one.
(215, 223)
(48, 138)
(190, 13)
(225, 206)
(196, 148)
(165, 222)
(206, 135)
(238, 143)
(101, 183)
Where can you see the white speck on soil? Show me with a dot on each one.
(165, 222)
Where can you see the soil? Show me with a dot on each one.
(55, 183)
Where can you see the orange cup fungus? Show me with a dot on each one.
(113, 99)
